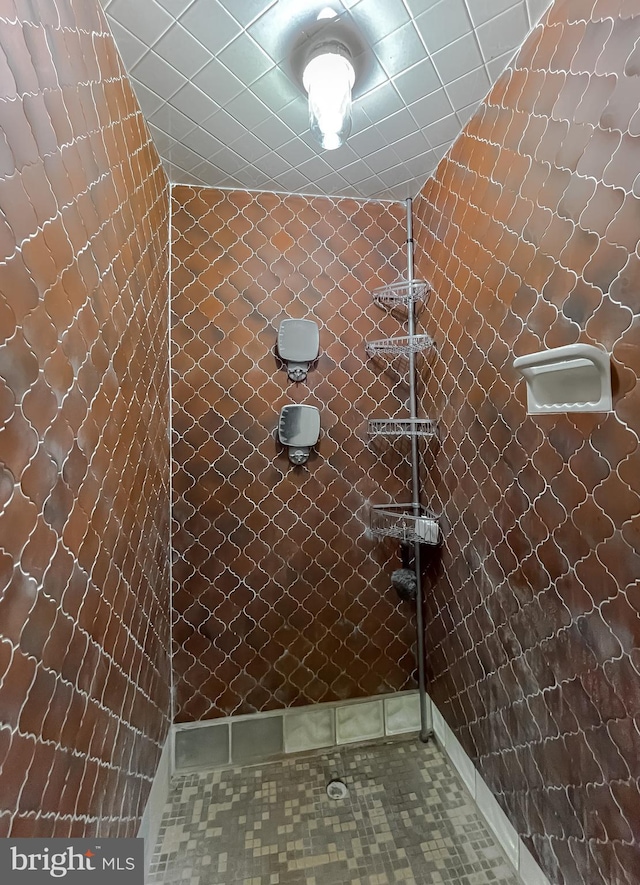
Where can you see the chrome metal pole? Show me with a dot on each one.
(425, 731)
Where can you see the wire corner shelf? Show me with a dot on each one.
(396, 427)
(404, 293)
(400, 345)
(407, 523)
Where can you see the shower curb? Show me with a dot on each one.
(516, 851)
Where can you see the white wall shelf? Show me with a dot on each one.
(574, 378)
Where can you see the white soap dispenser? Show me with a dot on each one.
(299, 429)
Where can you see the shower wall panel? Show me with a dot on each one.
(84, 462)
(281, 595)
(529, 233)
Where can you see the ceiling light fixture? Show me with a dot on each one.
(328, 77)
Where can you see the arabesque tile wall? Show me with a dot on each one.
(529, 234)
(84, 461)
(281, 595)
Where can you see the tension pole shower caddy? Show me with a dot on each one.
(409, 523)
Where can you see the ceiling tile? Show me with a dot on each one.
(210, 24)
(229, 160)
(422, 164)
(356, 172)
(472, 87)
(396, 126)
(382, 159)
(333, 184)
(215, 177)
(339, 158)
(249, 147)
(224, 127)
(175, 7)
(183, 156)
(500, 35)
(369, 73)
(399, 50)
(194, 103)
(296, 115)
(416, 7)
(411, 146)
(147, 20)
(466, 113)
(497, 65)
(158, 75)
(443, 23)
(217, 81)
(149, 101)
(223, 82)
(130, 47)
(367, 141)
(202, 142)
(431, 107)
(273, 132)
(536, 9)
(252, 179)
(246, 59)
(382, 101)
(443, 131)
(176, 173)
(277, 28)
(275, 89)
(313, 168)
(458, 58)
(245, 11)
(296, 152)
(273, 164)
(247, 109)
(293, 181)
(482, 10)
(371, 186)
(385, 17)
(171, 121)
(417, 81)
(395, 175)
(161, 140)
(181, 49)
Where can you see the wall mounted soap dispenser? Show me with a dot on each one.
(299, 429)
(298, 345)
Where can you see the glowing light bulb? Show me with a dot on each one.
(328, 78)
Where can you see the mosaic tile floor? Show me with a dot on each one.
(407, 819)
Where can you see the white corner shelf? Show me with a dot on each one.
(402, 522)
(400, 345)
(402, 427)
(574, 378)
(405, 293)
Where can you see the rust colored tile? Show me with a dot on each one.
(575, 545)
(50, 291)
(265, 503)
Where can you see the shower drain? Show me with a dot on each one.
(337, 789)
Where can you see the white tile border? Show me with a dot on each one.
(158, 798)
(488, 807)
